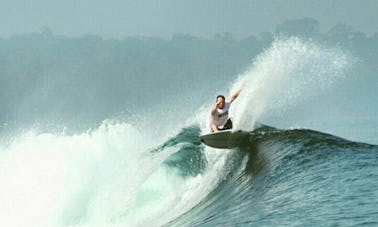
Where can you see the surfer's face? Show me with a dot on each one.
(220, 102)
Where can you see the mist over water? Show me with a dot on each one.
(105, 133)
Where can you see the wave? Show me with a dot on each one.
(123, 174)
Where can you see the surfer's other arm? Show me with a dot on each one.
(236, 94)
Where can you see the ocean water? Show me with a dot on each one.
(313, 163)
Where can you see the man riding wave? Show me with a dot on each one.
(219, 119)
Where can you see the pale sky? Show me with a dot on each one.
(164, 18)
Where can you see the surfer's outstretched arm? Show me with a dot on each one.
(236, 94)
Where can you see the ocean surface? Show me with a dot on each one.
(314, 162)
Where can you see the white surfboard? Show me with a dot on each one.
(223, 139)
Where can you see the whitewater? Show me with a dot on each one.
(292, 171)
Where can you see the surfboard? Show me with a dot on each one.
(226, 139)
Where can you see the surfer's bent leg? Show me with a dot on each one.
(228, 124)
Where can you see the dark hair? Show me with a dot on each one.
(221, 96)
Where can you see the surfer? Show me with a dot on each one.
(219, 119)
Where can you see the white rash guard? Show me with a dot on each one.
(221, 117)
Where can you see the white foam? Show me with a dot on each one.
(50, 179)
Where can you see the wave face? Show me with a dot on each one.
(132, 173)
(292, 177)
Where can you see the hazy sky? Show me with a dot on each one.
(163, 18)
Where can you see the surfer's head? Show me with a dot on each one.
(221, 101)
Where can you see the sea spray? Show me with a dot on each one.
(289, 72)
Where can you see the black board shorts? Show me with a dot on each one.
(228, 125)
